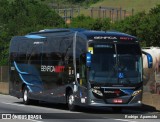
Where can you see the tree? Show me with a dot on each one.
(82, 22)
(131, 24)
(31, 15)
(90, 23)
(145, 26)
(23, 16)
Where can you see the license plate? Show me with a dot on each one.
(117, 101)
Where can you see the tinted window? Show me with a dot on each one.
(128, 49)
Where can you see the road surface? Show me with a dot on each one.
(11, 107)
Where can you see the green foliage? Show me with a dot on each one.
(131, 24)
(90, 23)
(23, 16)
(152, 27)
(145, 26)
(82, 22)
(31, 14)
(82, 1)
(101, 24)
(18, 17)
(155, 10)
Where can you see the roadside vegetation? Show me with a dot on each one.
(19, 17)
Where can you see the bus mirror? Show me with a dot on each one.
(149, 60)
(88, 59)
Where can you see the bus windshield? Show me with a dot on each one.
(115, 64)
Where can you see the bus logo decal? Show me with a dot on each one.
(56, 69)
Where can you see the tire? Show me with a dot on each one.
(70, 101)
(26, 100)
(117, 109)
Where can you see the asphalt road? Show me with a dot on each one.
(11, 107)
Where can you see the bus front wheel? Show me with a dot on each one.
(26, 100)
(70, 101)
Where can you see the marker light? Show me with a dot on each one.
(88, 59)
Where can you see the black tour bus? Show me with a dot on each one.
(77, 67)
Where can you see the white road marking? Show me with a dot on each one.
(124, 120)
(34, 120)
(12, 104)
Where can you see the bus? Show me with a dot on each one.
(77, 67)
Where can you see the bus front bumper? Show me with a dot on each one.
(115, 105)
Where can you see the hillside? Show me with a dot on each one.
(130, 6)
(137, 5)
(114, 9)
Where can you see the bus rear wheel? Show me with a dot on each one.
(70, 101)
(26, 100)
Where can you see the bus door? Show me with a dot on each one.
(81, 69)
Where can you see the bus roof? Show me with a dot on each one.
(90, 34)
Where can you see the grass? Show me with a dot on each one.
(137, 5)
(128, 5)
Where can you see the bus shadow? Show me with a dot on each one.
(47, 105)
(144, 109)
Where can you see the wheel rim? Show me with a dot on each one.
(71, 100)
(25, 96)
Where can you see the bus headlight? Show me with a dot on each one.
(136, 92)
(98, 92)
